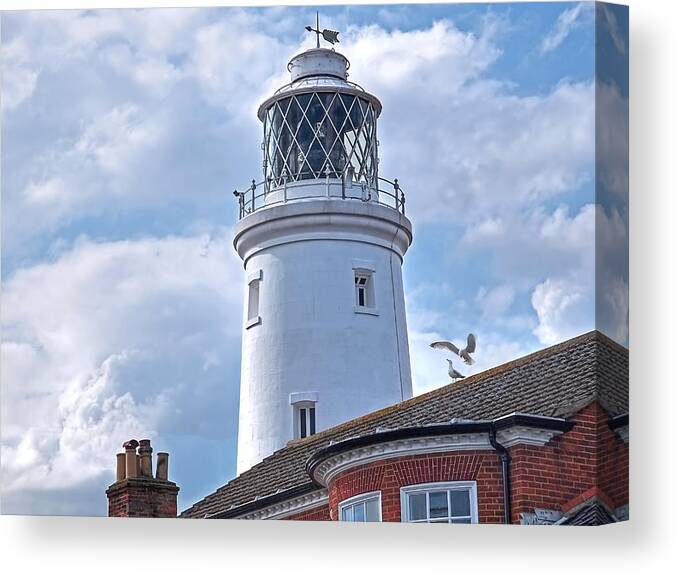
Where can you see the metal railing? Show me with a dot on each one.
(265, 194)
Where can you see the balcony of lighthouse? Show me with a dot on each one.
(343, 186)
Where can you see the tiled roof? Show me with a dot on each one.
(556, 381)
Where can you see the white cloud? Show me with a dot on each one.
(612, 26)
(495, 301)
(111, 341)
(612, 146)
(612, 226)
(125, 110)
(465, 145)
(567, 21)
(565, 308)
(18, 77)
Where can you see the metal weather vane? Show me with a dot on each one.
(330, 36)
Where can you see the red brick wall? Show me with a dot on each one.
(590, 455)
(390, 475)
(321, 513)
(140, 497)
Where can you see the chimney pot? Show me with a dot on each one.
(131, 458)
(120, 471)
(161, 471)
(131, 444)
(145, 459)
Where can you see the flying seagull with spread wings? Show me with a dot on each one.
(464, 354)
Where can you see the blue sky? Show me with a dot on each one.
(124, 132)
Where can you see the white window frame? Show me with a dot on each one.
(405, 492)
(253, 288)
(365, 269)
(296, 418)
(357, 499)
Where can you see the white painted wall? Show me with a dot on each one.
(310, 338)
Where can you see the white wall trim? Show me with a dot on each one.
(364, 265)
(521, 434)
(303, 396)
(366, 310)
(341, 462)
(289, 507)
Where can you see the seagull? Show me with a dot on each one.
(453, 373)
(464, 354)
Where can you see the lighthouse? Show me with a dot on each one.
(322, 238)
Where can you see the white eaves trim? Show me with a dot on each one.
(292, 506)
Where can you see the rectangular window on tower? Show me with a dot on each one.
(304, 419)
(363, 280)
(304, 404)
(253, 289)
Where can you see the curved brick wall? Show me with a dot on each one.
(389, 475)
(588, 460)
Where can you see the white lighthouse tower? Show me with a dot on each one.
(322, 239)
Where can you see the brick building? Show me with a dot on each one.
(540, 440)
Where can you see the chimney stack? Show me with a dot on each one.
(136, 493)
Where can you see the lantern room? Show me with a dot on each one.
(320, 124)
(320, 138)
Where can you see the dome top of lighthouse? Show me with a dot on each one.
(318, 62)
(319, 70)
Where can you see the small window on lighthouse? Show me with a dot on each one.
(305, 419)
(361, 283)
(364, 291)
(253, 317)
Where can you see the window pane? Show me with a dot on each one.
(359, 512)
(302, 422)
(347, 514)
(372, 510)
(361, 297)
(460, 502)
(417, 506)
(253, 300)
(438, 504)
(311, 412)
(467, 520)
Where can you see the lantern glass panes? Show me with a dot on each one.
(320, 134)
